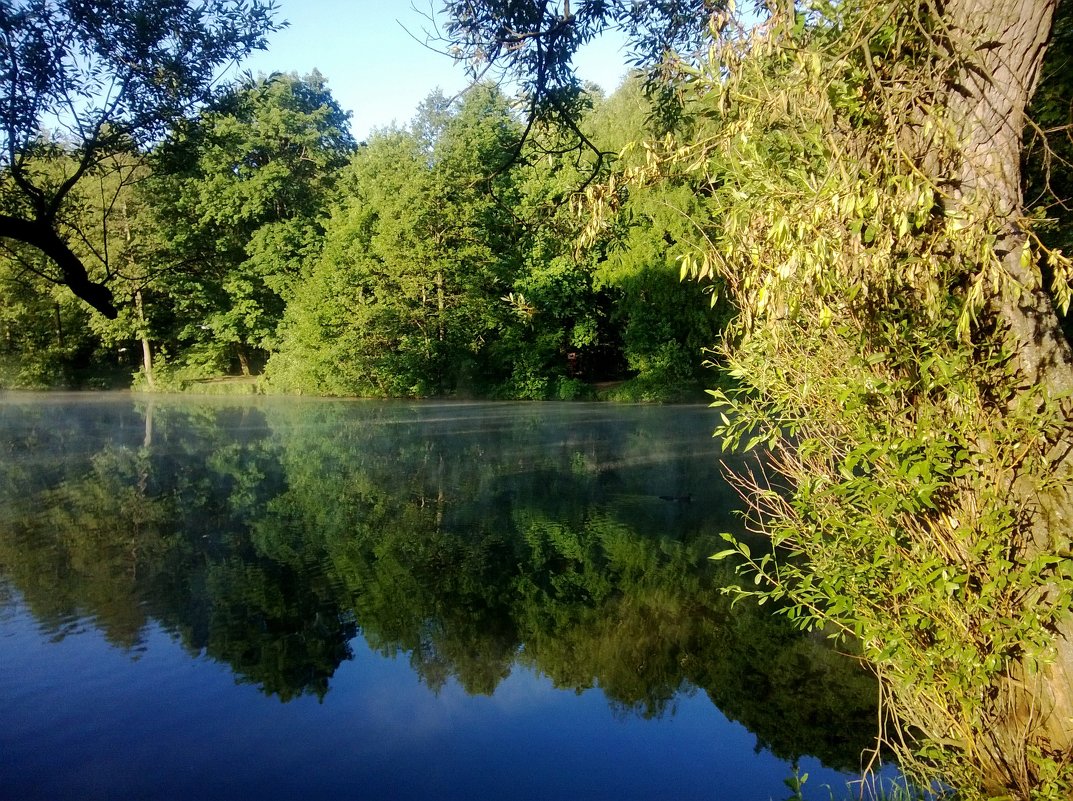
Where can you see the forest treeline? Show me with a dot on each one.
(879, 190)
(435, 258)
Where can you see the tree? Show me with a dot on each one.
(239, 195)
(616, 309)
(416, 259)
(898, 353)
(101, 78)
(531, 42)
(52, 337)
(665, 323)
(44, 332)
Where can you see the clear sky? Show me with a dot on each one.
(378, 71)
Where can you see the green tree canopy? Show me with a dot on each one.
(417, 255)
(84, 80)
(238, 195)
(858, 196)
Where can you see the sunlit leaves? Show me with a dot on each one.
(238, 198)
(869, 363)
(417, 258)
(82, 81)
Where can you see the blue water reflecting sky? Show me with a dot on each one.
(84, 720)
(195, 571)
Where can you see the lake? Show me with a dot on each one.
(305, 598)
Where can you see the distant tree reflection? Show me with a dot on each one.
(269, 537)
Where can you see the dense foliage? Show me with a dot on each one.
(890, 397)
(82, 82)
(435, 258)
(876, 229)
(238, 200)
(853, 171)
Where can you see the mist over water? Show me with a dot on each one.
(273, 598)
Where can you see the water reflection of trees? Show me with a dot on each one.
(269, 537)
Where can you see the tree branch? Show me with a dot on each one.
(44, 238)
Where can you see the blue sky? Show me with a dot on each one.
(375, 69)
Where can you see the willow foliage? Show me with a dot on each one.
(909, 451)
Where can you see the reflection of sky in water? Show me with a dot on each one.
(169, 726)
(80, 719)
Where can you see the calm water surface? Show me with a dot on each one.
(330, 600)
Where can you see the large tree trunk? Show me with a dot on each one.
(1007, 41)
(243, 360)
(1004, 42)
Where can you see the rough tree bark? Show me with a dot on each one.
(1006, 41)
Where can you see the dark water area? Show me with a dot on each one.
(277, 599)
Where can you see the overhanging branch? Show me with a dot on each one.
(75, 277)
